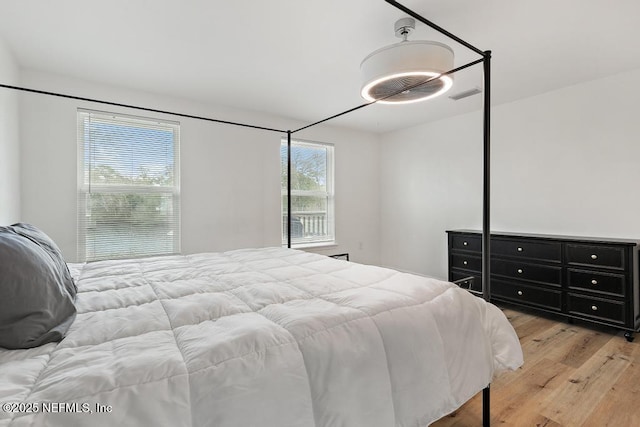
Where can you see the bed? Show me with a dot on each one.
(257, 337)
(263, 337)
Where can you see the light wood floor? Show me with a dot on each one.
(574, 375)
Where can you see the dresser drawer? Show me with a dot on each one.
(462, 242)
(596, 255)
(597, 308)
(593, 281)
(466, 262)
(519, 270)
(530, 295)
(477, 280)
(548, 251)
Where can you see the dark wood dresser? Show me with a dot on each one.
(591, 279)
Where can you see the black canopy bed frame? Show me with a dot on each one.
(485, 59)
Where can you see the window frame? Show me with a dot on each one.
(85, 188)
(330, 238)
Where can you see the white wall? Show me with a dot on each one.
(230, 176)
(564, 162)
(431, 181)
(569, 161)
(9, 141)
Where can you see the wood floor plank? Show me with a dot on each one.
(585, 346)
(573, 403)
(518, 318)
(531, 326)
(554, 343)
(535, 420)
(513, 403)
(619, 406)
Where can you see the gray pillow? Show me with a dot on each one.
(37, 292)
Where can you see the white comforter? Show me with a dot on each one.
(258, 337)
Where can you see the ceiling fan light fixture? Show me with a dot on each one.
(394, 73)
(389, 84)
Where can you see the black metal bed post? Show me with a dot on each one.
(486, 406)
(289, 189)
(486, 204)
(486, 191)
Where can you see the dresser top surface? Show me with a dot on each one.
(584, 239)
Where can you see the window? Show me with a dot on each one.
(128, 186)
(312, 200)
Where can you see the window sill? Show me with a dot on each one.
(316, 245)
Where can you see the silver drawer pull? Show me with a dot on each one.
(594, 256)
(465, 262)
(594, 282)
(520, 293)
(520, 249)
(519, 271)
(594, 307)
(465, 243)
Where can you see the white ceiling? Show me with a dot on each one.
(301, 58)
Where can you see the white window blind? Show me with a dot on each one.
(128, 186)
(312, 193)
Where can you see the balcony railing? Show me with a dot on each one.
(306, 225)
